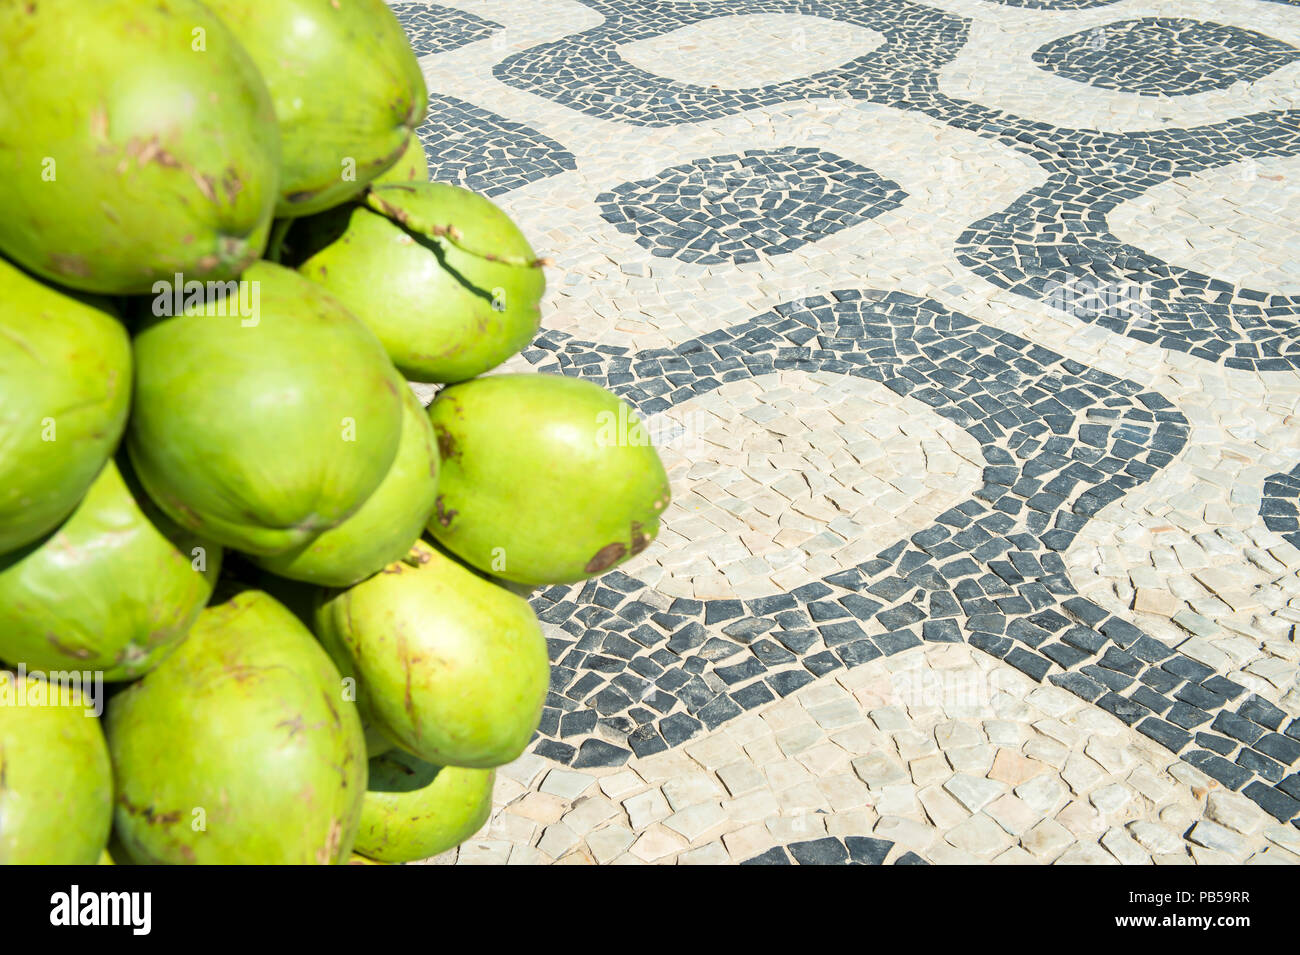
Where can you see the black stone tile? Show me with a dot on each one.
(796, 641)
(1063, 655)
(1166, 734)
(741, 672)
(560, 752)
(1198, 696)
(1160, 680)
(1224, 687)
(593, 753)
(678, 728)
(1080, 685)
(1187, 669)
(1258, 710)
(1121, 631)
(896, 641)
(1187, 716)
(865, 850)
(1230, 774)
(774, 856)
(1084, 638)
(1270, 769)
(1031, 664)
(826, 851)
(1218, 744)
(719, 711)
(1273, 801)
(991, 643)
(756, 694)
(1150, 699)
(577, 723)
(1126, 710)
(941, 631)
(1291, 785)
(787, 681)
(716, 611)
(819, 664)
(910, 858)
(1279, 747)
(1116, 681)
(834, 634)
(857, 653)
(1120, 662)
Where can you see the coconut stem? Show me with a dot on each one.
(275, 246)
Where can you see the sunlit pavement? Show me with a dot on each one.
(968, 332)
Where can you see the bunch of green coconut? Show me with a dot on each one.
(223, 262)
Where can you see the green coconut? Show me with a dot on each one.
(301, 599)
(594, 489)
(411, 166)
(348, 91)
(443, 277)
(56, 785)
(414, 810)
(388, 523)
(137, 141)
(259, 432)
(240, 748)
(450, 667)
(65, 388)
(114, 589)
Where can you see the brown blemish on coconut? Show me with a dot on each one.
(606, 557)
(446, 443)
(78, 653)
(70, 264)
(325, 855)
(445, 515)
(232, 184)
(639, 541)
(148, 814)
(294, 726)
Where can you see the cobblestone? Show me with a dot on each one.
(979, 400)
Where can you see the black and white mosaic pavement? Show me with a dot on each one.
(585, 71)
(1060, 442)
(1052, 244)
(853, 850)
(731, 208)
(1165, 56)
(437, 29)
(479, 150)
(1060, 4)
(1280, 504)
(1151, 641)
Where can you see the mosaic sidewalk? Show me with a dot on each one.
(970, 335)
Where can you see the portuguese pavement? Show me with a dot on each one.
(969, 332)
